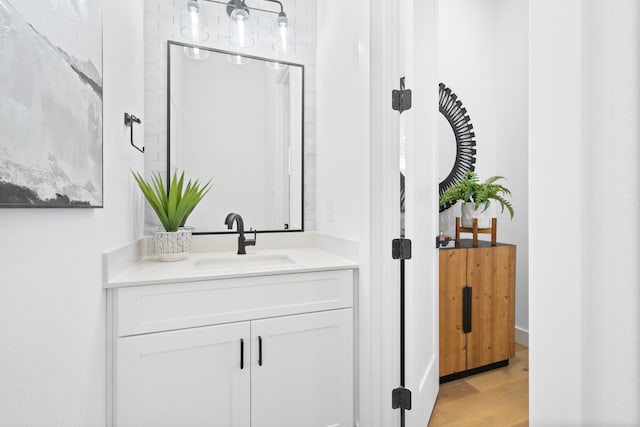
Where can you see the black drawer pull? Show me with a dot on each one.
(466, 309)
(259, 351)
(241, 353)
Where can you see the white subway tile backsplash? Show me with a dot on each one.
(151, 140)
(170, 7)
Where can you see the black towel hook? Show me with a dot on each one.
(129, 120)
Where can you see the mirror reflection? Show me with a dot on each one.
(238, 120)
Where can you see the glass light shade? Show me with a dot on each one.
(193, 22)
(238, 59)
(196, 53)
(283, 36)
(241, 28)
(274, 65)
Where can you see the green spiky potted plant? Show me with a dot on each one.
(173, 207)
(476, 197)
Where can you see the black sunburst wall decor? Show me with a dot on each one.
(452, 109)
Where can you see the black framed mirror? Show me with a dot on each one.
(464, 158)
(238, 119)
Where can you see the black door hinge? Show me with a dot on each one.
(401, 249)
(401, 398)
(401, 99)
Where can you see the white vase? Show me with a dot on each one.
(172, 245)
(483, 215)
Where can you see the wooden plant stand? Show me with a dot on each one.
(475, 230)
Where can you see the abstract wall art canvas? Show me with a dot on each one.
(51, 103)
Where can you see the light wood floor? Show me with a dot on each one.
(498, 398)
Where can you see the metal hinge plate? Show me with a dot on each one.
(401, 99)
(401, 398)
(401, 249)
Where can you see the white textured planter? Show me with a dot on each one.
(469, 212)
(172, 245)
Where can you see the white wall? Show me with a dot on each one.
(340, 147)
(584, 156)
(52, 305)
(467, 37)
(610, 136)
(555, 273)
(483, 58)
(512, 127)
(343, 175)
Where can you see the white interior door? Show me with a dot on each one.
(192, 377)
(402, 43)
(418, 151)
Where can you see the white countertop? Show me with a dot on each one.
(212, 265)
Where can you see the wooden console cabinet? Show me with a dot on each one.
(477, 307)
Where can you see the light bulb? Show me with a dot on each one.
(239, 15)
(241, 28)
(283, 41)
(193, 22)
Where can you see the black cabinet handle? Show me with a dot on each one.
(241, 353)
(466, 309)
(259, 351)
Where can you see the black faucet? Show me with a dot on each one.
(242, 241)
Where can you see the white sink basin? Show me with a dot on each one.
(243, 262)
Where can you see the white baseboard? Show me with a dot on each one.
(522, 336)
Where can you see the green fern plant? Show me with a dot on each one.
(172, 207)
(470, 189)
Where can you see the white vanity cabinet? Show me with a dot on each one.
(263, 351)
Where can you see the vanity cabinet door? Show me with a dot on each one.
(190, 377)
(453, 279)
(491, 274)
(302, 370)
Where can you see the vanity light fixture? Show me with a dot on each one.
(193, 24)
(283, 42)
(240, 24)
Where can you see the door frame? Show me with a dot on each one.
(378, 297)
(382, 25)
